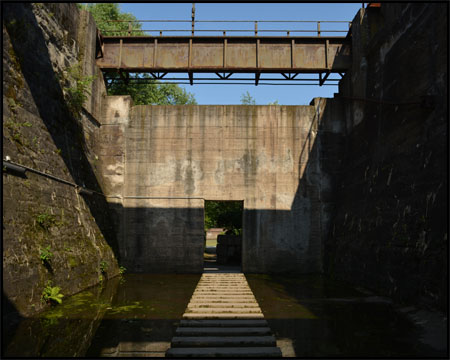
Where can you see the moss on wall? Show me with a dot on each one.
(40, 131)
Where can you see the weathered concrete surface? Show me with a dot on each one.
(390, 230)
(223, 328)
(165, 160)
(40, 43)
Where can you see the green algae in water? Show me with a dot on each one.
(125, 308)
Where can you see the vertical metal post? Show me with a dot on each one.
(224, 51)
(318, 28)
(292, 52)
(193, 18)
(256, 28)
(155, 48)
(119, 64)
(129, 28)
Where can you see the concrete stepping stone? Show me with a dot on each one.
(216, 341)
(225, 331)
(223, 316)
(225, 323)
(223, 319)
(202, 305)
(235, 352)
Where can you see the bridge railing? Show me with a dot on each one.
(244, 28)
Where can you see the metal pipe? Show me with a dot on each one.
(14, 168)
(82, 189)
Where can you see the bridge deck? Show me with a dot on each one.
(222, 55)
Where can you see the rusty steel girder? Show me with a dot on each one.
(208, 54)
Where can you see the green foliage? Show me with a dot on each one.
(45, 254)
(273, 103)
(105, 12)
(46, 220)
(226, 214)
(147, 91)
(122, 270)
(152, 92)
(51, 294)
(77, 95)
(103, 266)
(247, 99)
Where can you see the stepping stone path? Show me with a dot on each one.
(223, 319)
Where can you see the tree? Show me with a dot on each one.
(147, 91)
(226, 214)
(247, 99)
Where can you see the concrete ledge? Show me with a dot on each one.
(219, 341)
(225, 323)
(225, 331)
(258, 352)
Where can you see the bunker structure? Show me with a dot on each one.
(353, 186)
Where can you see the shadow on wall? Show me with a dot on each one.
(165, 239)
(32, 53)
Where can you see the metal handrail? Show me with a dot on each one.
(318, 29)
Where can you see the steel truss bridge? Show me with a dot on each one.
(304, 55)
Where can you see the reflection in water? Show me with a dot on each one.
(121, 318)
(310, 315)
(66, 329)
(315, 316)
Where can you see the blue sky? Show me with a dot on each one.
(263, 94)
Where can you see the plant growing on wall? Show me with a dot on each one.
(77, 94)
(45, 255)
(122, 270)
(46, 220)
(51, 294)
(103, 267)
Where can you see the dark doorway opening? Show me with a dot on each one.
(223, 233)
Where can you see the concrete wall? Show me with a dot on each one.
(165, 160)
(390, 229)
(40, 43)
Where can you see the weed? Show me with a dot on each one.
(103, 266)
(27, 124)
(46, 220)
(57, 151)
(45, 255)
(51, 294)
(17, 137)
(122, 270)
(78, 94)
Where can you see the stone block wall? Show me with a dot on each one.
(166, 160)
(390, 227)
(41, 42)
